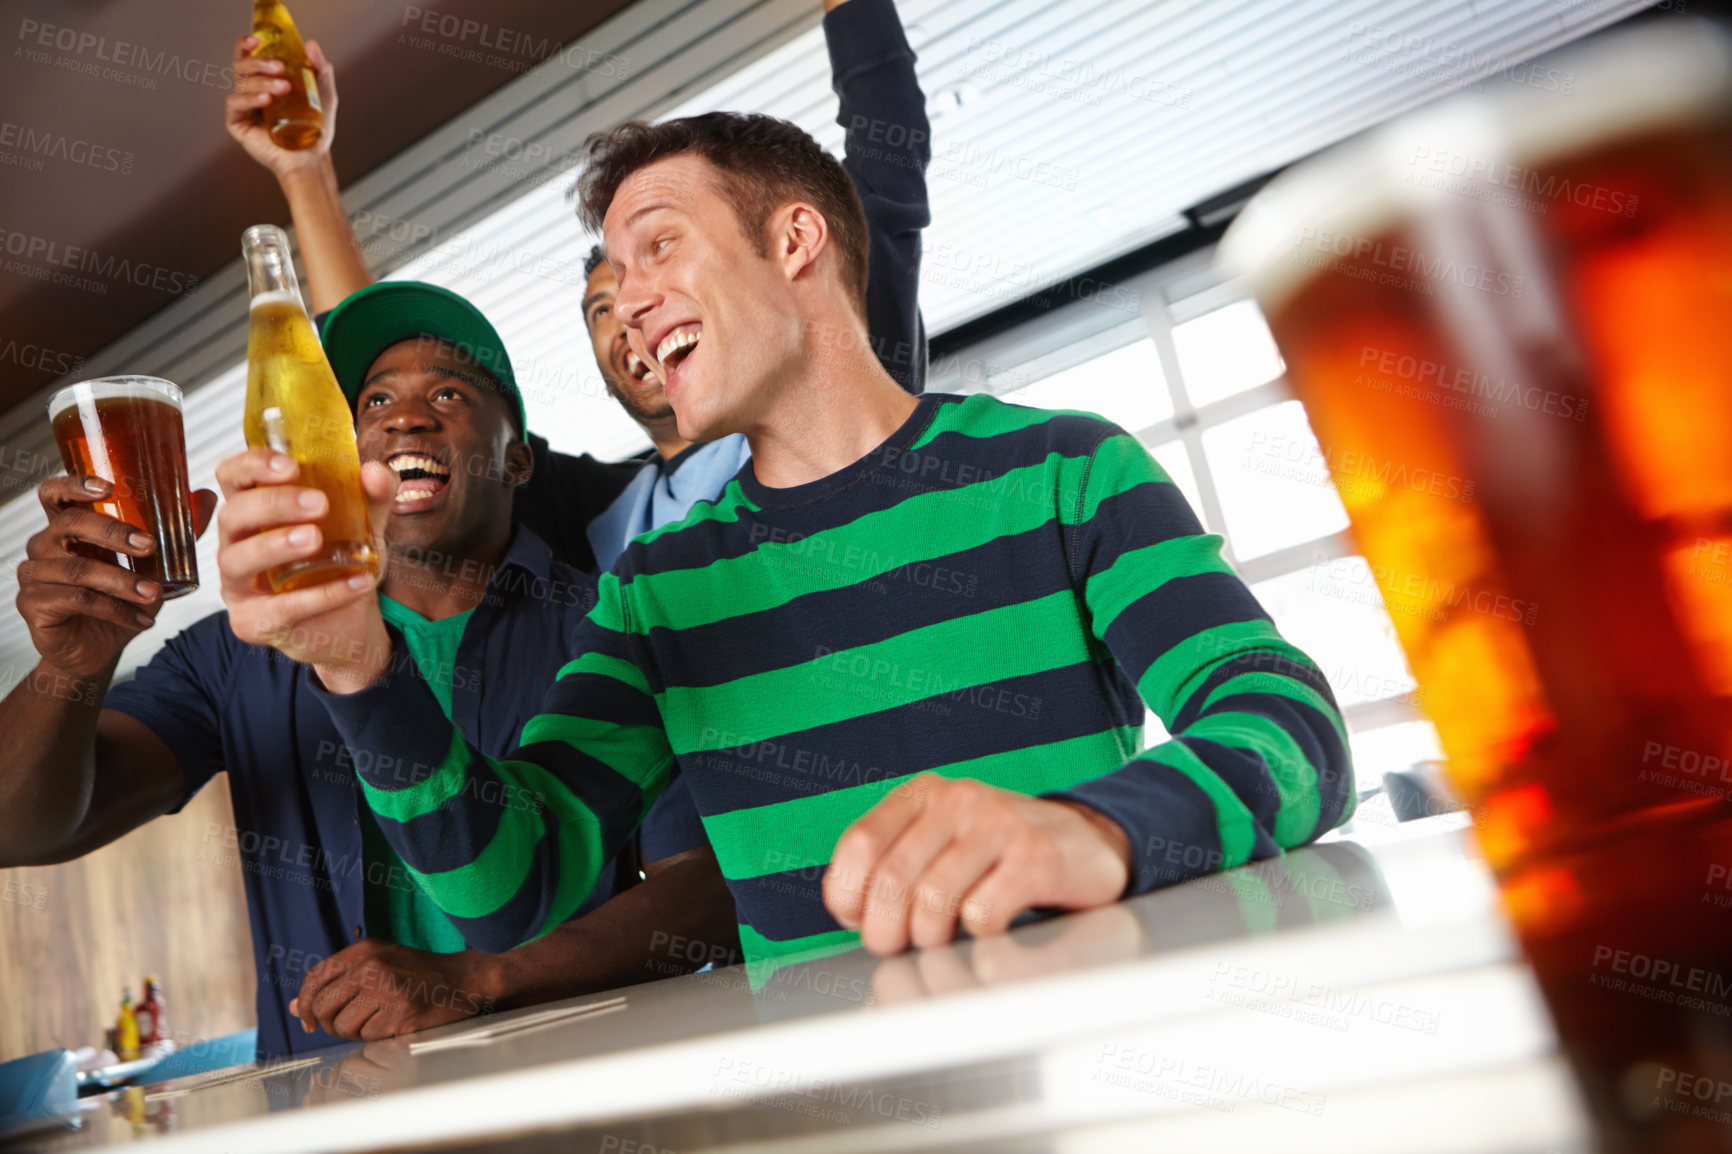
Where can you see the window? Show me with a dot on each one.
(1274, 488)
(1125, 386)
(1334, 612)
(1176, 461)
(1225, 352)
(1201, 384)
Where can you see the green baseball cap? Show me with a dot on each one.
(371, 320)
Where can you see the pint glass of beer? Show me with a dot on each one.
(127, 430)
(1527, 291)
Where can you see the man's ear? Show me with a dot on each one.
(519, 463)
(800, 233)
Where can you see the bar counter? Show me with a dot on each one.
(1360, 994)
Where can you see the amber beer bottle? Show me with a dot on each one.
(294, 406)
(152, 1014)
(294, 119)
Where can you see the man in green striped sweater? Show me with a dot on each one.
(902, 660)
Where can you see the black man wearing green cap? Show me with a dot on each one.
(345, 941)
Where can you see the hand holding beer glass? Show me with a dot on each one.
(124, 498)
(127, 431)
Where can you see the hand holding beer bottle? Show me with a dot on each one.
(262, 83)
(299, 562)
(308, 180)
(295, 119)
(268, 522)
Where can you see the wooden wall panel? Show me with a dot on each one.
(160, 900)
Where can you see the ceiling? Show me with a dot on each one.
(114, 160)
(1066, 132)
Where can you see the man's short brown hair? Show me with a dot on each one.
(764, 163)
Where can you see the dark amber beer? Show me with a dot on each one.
(127, 430)
(1531, 294)
(294, 118)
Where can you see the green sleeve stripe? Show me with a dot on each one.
(921, 528)
(622, 748)
(430, 793)
(1295, 778)
(803, 831)
(499, 871)
(609, 611)
(580, 839)
(1234, 825)
(944, 658)
(1122, 458)
(484, 885)
(572, 861)
(766, 956)
(1139, 572)
(607, 665)
(1179, 672)
(1280, 686)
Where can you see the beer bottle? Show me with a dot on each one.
(152, 1014)
(295, 407)
(293, 119)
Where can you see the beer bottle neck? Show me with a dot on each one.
(270, 270)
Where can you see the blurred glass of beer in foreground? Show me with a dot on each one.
(295, 407)
(294, 118)
(127, 430)
(1527, 296)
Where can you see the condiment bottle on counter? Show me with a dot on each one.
(127, 1028)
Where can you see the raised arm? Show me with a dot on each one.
(332, 259)
(76, 775)
(888, 144)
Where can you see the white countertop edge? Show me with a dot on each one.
(978, 1025)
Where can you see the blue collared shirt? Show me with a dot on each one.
(225, 706)
(664, 493)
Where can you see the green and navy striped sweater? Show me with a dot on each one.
(992, 593)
